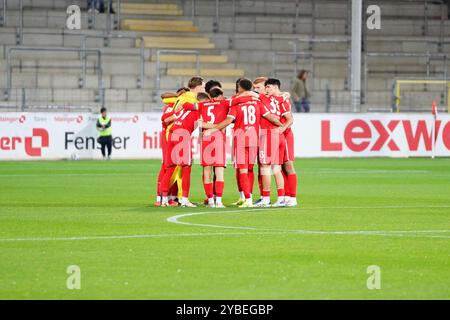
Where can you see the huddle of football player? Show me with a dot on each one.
(261, 120)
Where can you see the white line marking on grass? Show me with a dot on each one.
(76, 174)
(210, 234)
(139, 236)
(395, 233)
(362, 171)
(254, 230)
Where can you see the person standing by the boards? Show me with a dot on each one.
(105, 131)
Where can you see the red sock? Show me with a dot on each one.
(251, 179)
(186, 183)
(208, 189)
(280, 192)
(260, 182)
(292, 182)
(219, 188)
(238, 181)
(160, 177)
(287, 191)
(265, 193)
(243, 179)
(173, 190)
(165, 181)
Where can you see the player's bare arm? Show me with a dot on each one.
(170, 119)
(225, 123)
(205, 125)
(286, 95)
(273, 119)
(169, 94)
(289, 119)
(248, 94)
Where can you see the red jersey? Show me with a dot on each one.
(214, 111)
(185, 119)
(285, 109)
(167, 112)
(240, 99)
(270, 105)
(246, 117)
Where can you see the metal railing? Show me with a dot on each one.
(296, 54)
(233, 12)
(233, 9)
(100, 96)
(3, 13)
(117, 16)
(111, 23)
(444, 92)
(429, 57)
(46, 100)
(19, 32)
(107, 37)
(425, 27)
(158, 66)
(311, 55)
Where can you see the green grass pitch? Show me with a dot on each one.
(98, 215)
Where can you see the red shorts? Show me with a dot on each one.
(289, 150)
(213, 152)
(178, 151)
(271, 149)
(244, 156)
(163, 146)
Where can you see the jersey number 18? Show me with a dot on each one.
(249, 114)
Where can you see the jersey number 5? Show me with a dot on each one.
(210, 114)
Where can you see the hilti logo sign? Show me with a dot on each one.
(32, 144)
(375, 135)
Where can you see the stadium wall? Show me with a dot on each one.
(52, 136)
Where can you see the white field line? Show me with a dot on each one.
(362, 171)
(254, 230)
(176, 220)
(76, 174)
(137, 236)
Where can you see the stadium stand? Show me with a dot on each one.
(233, 39)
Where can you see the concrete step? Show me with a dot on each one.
(110, 66)
(180, 40)
(177, 43)
(264, 23)
(413, 9)
(150, 9)
(180, 58)
(159, 25)
(206, 72)
(336, 8)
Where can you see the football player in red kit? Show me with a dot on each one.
(179, 146)
(288, 169)
(213, 152)
(167, 119)
(271, 149)
(246, 117)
